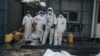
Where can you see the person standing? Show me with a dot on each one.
(40, 21)
(61, 27)
(27, 26)
(50, 26)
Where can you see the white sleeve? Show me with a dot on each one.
(23, 22)
(45, 20)
(32, 20)
(65, 22)
(35, 19)
(55, 20)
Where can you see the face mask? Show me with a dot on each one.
(28, 15)
(49, 12)
(61, 16)
(41, 14)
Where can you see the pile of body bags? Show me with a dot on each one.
(49, 52)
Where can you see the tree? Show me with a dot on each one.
(36, 5)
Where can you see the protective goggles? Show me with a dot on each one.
(41, 12)
(49, 10)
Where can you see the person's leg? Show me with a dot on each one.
(51, 36)
(28, 30)
(60, 38)
(56, 38)
(45, 36)
(30, 34)
(38, 34)
(26, 36)
(37, 31)
(41, 35)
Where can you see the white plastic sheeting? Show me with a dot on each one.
(41, 3)
(27, 0)
(65, 53)
(49, 52)
(98, 54)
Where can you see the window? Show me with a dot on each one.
(73, 16)
(74, 27)
(65, 15)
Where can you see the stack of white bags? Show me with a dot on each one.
(49, 52)
(98, 54)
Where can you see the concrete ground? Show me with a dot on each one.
(25, 52)
(2, 50)
(77, 48)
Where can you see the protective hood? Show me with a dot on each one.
(41, 13)
(50, 10)
(60, 15)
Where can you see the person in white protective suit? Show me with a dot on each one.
(50, 26)
(27, 26)
(40, 21)
(60, 28)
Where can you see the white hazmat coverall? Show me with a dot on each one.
(61, 26)
(50, 25)
(27, 22)
(40, 21)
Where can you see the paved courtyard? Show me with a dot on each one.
(25, 52)
(77, 48)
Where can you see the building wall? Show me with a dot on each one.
(98, 31)
(14, 15)
(96, 24)
(76, 5)
(3, 19)
(93, 30)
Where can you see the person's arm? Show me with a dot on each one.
(44, 20)
(35, 19)
(65, 22)
(55, 19)
(34, 22)
(23, 23)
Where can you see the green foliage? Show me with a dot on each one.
(36, 5)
